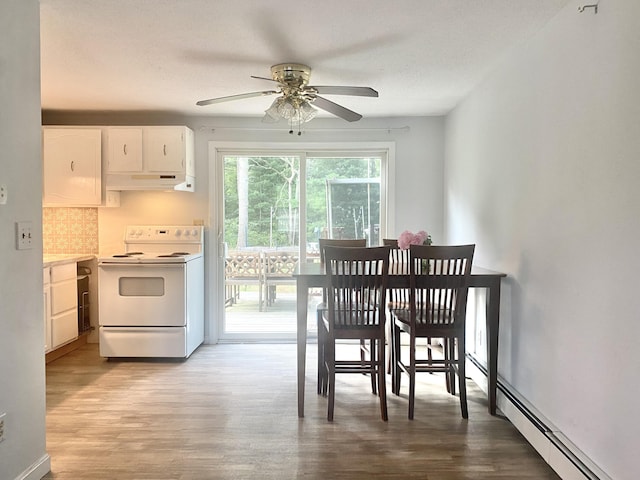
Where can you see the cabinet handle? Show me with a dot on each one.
(124, 149)
(164, 149)
(73, 166)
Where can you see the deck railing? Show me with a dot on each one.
(265, 268)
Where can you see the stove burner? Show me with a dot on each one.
(127, 255)
(174, 254)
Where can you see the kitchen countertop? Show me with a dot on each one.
(60, 259)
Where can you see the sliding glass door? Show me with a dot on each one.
(261, 243)
(275, 207)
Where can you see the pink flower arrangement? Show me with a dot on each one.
(407, 238)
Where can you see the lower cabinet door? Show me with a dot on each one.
(64, 328)
(64, 295)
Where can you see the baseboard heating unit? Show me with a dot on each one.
(555, 448)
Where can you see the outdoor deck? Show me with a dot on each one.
(244, 316)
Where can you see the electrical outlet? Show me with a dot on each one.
(2, 426)
(3, 194)
(24, 235)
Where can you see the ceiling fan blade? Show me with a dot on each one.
(342, 90)
(337, 110)
(211, 101)
(264, 78)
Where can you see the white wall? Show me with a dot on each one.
(22, 381)
(541, 171)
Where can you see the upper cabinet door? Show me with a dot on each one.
(124, 150)
(164, 149)
(72, 166)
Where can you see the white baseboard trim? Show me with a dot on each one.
(555, 448)
(38, 470)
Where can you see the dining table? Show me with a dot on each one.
(313, 275)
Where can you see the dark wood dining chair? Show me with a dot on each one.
(356, 306)
(323, 242)
(439, 285)
(398, 298)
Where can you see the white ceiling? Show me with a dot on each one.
(422, 56)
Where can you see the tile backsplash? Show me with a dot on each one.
(69, 230)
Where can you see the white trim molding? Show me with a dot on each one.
(37, 470)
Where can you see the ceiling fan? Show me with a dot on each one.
(297, 96)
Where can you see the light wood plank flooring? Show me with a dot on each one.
(229, 412)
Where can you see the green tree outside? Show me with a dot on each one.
(273, 199)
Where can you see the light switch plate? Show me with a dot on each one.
(24, 235)
(3, 194)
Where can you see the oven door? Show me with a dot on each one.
(142, 295)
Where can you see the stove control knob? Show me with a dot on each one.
(194, 232)
(187, 233)
(178, 232)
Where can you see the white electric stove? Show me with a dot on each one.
(151, 296)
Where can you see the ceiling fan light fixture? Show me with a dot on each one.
(307, 112)
(294, 109)
(271, 114)
(288, 107)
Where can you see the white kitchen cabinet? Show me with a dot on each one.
(165, 150)
(46, 296)
(150, 158)
(72, 166)
(124, 149)
(63, 304)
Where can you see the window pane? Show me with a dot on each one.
(343, 199)
(261, 201)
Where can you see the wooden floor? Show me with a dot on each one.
(229, 412)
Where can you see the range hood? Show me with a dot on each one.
(148, 181)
